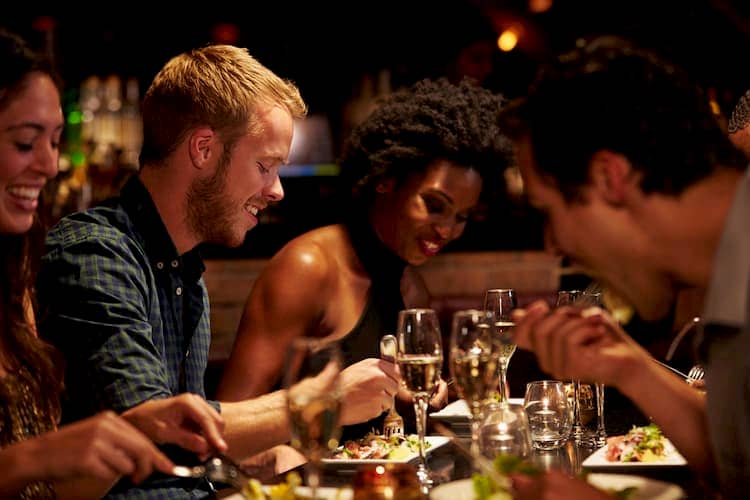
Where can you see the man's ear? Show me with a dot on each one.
(611, 176)
(201, 143)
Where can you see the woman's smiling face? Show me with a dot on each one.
(31, 125)
(429, 210)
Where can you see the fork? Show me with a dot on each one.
(219, 469)
(695, 374)
(393, 425)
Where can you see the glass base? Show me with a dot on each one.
(593, 439)
(425, 479)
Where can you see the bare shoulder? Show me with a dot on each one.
(310, 257)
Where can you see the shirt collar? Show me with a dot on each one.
(161, 251)
(727, 299)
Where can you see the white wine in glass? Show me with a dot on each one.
(473, 362)
(420, 361)
(311, 379)
(502, 301)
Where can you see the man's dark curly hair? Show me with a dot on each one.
(412, 128)
(609, 94)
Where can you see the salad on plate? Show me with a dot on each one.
(377, 446)
(640, 444)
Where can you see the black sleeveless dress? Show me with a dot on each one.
(380, 314)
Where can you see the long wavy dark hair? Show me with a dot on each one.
(23, 352)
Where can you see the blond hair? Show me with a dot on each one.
(219, 86)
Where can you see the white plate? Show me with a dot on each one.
(323, 493)
(434, 441)
(463, 489)
(646, 489)
(598, 460)
(458, 411)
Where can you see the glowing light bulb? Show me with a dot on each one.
(507, 40)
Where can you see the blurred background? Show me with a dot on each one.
(343, 57)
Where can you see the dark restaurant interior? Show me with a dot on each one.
(343, 56)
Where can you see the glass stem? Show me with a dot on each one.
(313, 478)
(601, 432)
(420, 408)
(476, 422)
(503, 385)
(577, 423)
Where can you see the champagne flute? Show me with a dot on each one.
(420, 360)
(311, 380)
(501, 301)
(595, 297)
(586, 298)
(569, 298)
(473, 362)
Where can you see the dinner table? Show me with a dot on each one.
(449, 462)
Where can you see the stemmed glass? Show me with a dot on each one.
(420, 360)
(311, 379)
(473, 362)
(501, 301)
(585, 298)
(594, 298)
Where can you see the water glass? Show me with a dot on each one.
(547, 409)
(505, 430)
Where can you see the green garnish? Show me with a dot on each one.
(624, 493)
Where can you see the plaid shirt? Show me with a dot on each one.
(130, 315)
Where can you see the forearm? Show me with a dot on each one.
(20, 467)
(256, 424)
(677, 408)
(23, 463)
(80, 488)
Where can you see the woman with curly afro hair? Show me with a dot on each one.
(413, 174)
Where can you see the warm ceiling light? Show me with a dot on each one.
(537, 6)
(507, 40)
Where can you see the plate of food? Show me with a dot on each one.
(271, 492)
(622, 485)
(643, 446)
(458, 411)
(374, 448)
(291, 489)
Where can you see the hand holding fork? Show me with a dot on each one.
(393, 425)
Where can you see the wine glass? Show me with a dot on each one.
(599, 435)
(501, 301)
(584, 392)
(473, 362)
(311, 380)
(420, 360)
(505, 430)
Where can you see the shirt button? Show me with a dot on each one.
(175, 263)
(178, 291)
(160, 265)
